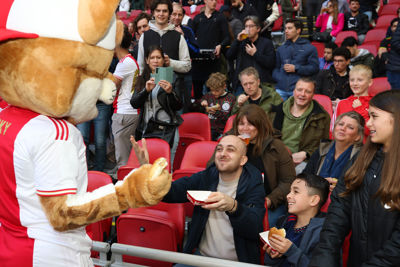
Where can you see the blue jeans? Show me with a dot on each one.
(197, 252)
(284, 94)
(101, 126)
(393, 79)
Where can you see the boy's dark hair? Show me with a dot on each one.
(342, 51)
(331, 45)
(316, 185)
(358, 1)
(349, 41)
(126, 39)
(297, 24)
(141, 16)
(155, 3)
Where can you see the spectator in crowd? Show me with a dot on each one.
(217, 103)
(370, 186)
(326, 61)
(255, 51)
(330, 20)
(302, 121)
(289, 9)
(356, 21)
(211, 30)
(268, 154)
(272, 15)
(303, 224)
(255, 93)
(162, 33)
(188, 34)
(332, 156)
(343, 6)
(140, 25)
(368, 7)
(360, 81)
(125, 118)
(242, 10)
(313, 8)
(295, 58)
(228, 225)
(393, 65)
(262, 7)
(235, 24)
(334, 82)
(158, 103)
(358, 56)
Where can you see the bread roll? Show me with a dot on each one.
(276, 231)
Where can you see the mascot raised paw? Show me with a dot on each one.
(54, 59)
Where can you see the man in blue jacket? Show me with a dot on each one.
(227, 226)
(295, 58)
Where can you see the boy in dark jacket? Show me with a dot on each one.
(303, 224)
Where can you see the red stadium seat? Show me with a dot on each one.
(195, 127)
(343, 35)
(157, 148)
(391, 2)
(384, 21)
(372, 47)
(389, 9)
(122, 15)
(229, 123)
(379, 84)
(320, 48)
(325, 102)
(375, 35)
(198, 154)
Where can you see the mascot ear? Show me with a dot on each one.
(94, 18)
(120, 33)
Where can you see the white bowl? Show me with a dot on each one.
(197, 197)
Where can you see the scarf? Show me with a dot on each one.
(333, 168)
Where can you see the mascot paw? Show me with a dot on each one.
(145, 186)
(108, 91)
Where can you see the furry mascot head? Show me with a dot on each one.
(54, 59)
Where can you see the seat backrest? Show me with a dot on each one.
(343, 35)
(384, 21)
(320, 48)
(157, 148)
(325, 102)
(375, 35)
(97, 179)
(378, 85)
(372, 47)
(389, 9)
(229, 123)
(197, 154)
(195, 123)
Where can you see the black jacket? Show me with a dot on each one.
(263, 60)
(359, 23)
(327, 84)
(375, 239)
(394, 54)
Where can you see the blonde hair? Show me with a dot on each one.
(216, 81)
(362, 69)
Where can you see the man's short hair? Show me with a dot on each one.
(342, 51)
(297, 23)
(306, 79)
(126, 39)
(155, 3)
(349, 41)
(331, 45)
(178, 5)
(254, 19)
(358, 1)
(249, 71)
(141, 16)
(316, 185)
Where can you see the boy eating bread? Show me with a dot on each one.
(302, 225)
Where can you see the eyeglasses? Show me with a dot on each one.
(250, 26)
(338, 61)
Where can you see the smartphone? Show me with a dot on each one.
(164, 73)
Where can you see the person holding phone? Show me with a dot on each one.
(158, 102)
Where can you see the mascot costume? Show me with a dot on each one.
(54, 57)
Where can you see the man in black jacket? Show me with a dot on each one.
(241, 10)
(356, 21)
(393, 66)
(254, 51)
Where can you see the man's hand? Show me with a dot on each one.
(241, 99)
(217, 50)
(239, 36)
(166, 60)
(142, 153)
(280, 244)
(289, 68)
(219, 201)
(381, 50)
(204, 103)
(332, 183)
(299, 157)
(268, 202)
(251, 49)
(179, 29)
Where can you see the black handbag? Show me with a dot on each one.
(160, 129)
(322, 36)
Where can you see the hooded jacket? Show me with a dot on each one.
(182, 64)
(364, 57)
(394, 54)
(326, 84)
(303, 55)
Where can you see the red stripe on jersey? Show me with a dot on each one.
(54, 191)
(56, 125)
(66, 129)
(15, 245)
(62, 130)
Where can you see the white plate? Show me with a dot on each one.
(197, 197)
